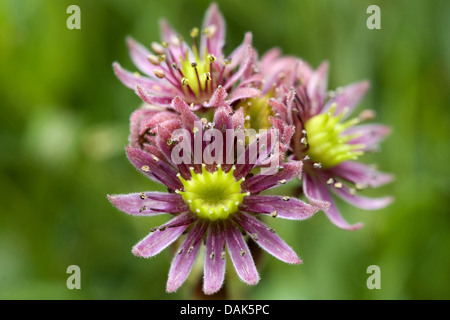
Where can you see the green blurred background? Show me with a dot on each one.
(64, 124)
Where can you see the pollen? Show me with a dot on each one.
(328, 145)
(212, 195)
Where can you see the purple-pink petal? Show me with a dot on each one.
(214, 267)
(139, 54)
(267, 239)
(317, 87)
(242, 94)
(362, 202)
(185, 256)
(148, 203)
(240, 255)
(132, 80)
(277, 206)
(162, 237)
(215, 42)
(262, 182)
(154, 168)
(317, 193)
(369, 135)
(361, 174)
(348, 97)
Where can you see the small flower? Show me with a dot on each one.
(212, 203)
(196, 72)
(327, 141)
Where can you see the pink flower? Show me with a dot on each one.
(328, 142)
(196, 72)
(212, 202)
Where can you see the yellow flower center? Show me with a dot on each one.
(214, 195)
(327, 145)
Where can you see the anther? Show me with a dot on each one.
(338, 185)
(162, 57)
(145, 168)
(184, 82)
(180, 251)
(274, 214)
(255, 237)
(359, 186)
(286, 198)
(142, 196)
(283, 181)
(207, 76)
(227, 61)
(153, 59)
(155, 158)
(174, 65)
(194, 64)
(272, 230)
(190, 249)
(157, 48)
(222, 255)
(211, 256)
(194, 32)
(142, 209)
(211, 58)
(317, 165)
(162, 228)
(242, 253)
(159, 73)
(153, 229)
(330, 181)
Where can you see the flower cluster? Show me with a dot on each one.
(217, 130)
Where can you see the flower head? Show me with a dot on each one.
(213, 202)
(326, 139)
(193, 72)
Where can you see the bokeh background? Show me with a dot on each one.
(64, 124)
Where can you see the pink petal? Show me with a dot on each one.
(161, 238)
(348, 97)
(243, 93)
(369, 134)
(317, 87)
(261, 182)
(185, 257)
(154, 168)
(267, 239)
(213, 18)
(148, 203)
(240, 255)
(359, 173)
(317, 193)
(139, 54)
(132, 80)
(280, 207)
(361, 201)
(243, 68)
(214, 269)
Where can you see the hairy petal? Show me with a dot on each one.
(281, 207)
(240, 255)
(184, 258)
(148, 203)
(317, 193)
(214, 268)
(368, 134)
(214, 42)
(262, 182)
(161, 238)
(361, 174)
(267, 239)
(154, 168)
(347, 98)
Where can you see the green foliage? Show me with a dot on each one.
(64, 125)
